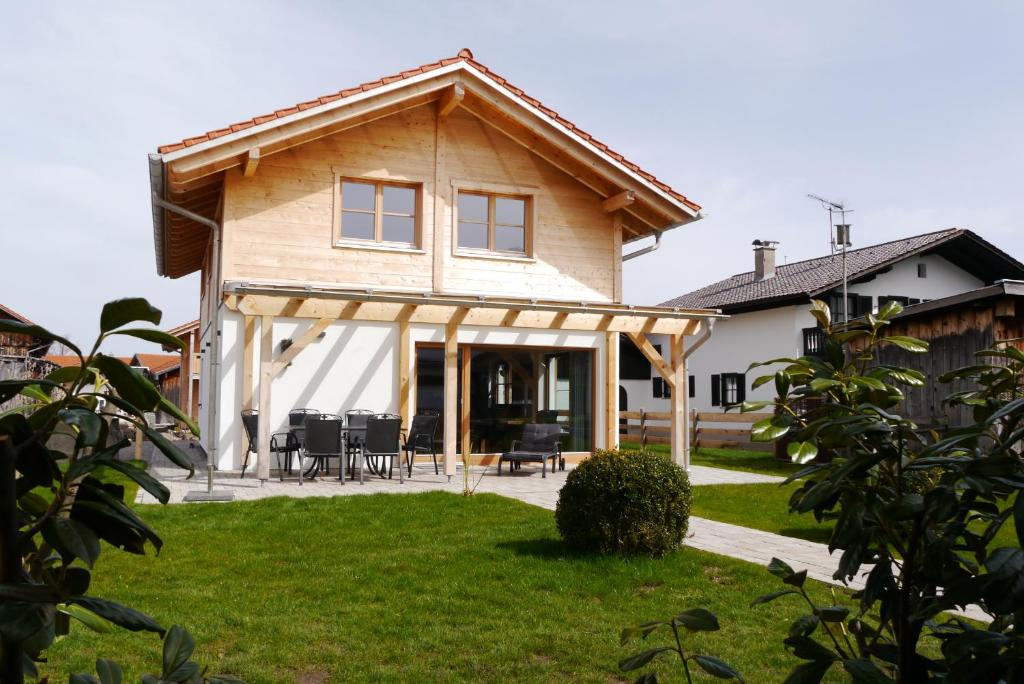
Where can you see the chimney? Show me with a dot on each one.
(764, 259)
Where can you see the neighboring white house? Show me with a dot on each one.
(436, 240)
(769, 309)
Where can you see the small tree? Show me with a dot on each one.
(917, 511)
(59, 496)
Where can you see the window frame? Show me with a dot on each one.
(378, 241)
(494, 191)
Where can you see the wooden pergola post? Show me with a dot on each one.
(451, 390)
(680, 396)
(266, 378)
(404, 373)
(611, 414)
(464, 432)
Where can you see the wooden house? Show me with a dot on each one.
(434, 240)
(164, 370)
(188, 396)
(955, 328)
(16, 344)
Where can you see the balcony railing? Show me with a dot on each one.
(814, 341)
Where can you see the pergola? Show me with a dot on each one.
(324, 306)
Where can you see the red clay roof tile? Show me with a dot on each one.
(464, 55)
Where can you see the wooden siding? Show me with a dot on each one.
(278, 222)
(954, 335)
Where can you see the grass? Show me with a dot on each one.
(427, 587)
(730, 459)
(766, 507)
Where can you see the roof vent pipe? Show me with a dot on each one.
(764, 259)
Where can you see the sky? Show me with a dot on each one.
(910, 113)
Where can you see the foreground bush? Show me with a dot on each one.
(625, 502)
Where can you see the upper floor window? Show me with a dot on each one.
(376, 211)
(493, 223)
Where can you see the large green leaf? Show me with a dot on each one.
(90, 426)
(124, 311)
(140, 477)
(809, 673)
(766, 598)
(123, 616)
(170, 407)
(697, 620)
(109, 672)
(910, 344)
(716, 667)
(86, 617)
(167, 448)
(634, 662)
(178, 648)
(130, 384)
(73, 540)
(801, 452)
(155, 336)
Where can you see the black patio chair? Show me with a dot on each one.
(323, 442)
(540, 442)
(420, 439)
(383, 437)
(355, 422)
(280, 443)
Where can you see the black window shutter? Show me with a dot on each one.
(656, 388)
(863, 305)
(741, 388)
(716, 390)
(666, 389)
(692, 382)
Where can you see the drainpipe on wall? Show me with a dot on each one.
(214, 440)
(657, 238)
(704, 337)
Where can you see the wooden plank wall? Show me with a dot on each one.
(954, 336)
(278, 222)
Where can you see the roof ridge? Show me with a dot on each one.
(464, 55)
(859, 249)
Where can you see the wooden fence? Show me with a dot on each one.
(713, 430)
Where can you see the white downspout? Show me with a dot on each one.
(215, 340)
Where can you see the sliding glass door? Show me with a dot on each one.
(512, 386)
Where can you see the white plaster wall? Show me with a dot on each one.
(944, 279)
(355, 365)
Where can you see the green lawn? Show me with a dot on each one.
(766, 507)
(423, 587)
(730, 459)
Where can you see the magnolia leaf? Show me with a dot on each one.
(123, 311)
(86, 617)
(801, 452)
(155, 336)
(910, 344)
(716, 667)
(767, 598)
(697, 620)
(640, 659)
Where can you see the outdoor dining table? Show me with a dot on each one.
(299, 432)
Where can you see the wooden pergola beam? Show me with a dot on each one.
(440, 314)
(289, 354)
(648, 350)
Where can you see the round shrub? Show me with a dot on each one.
(625, 502)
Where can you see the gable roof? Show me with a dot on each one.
(191, 160)
(156, 364)
(802, 280)
(183, 328)
(13, 315)
(64, 360)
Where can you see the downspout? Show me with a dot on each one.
(158, 201)
(704, 337)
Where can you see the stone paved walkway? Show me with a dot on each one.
(743, 543)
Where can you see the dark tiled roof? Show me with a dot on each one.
(7, 312)
(806, 278)
(466, 56)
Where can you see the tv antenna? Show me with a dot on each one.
(840, 238)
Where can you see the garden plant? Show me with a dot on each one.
(62, 492)
(915, 511)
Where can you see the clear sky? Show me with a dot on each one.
(910, 112)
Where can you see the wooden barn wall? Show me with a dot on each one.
(954, 337)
